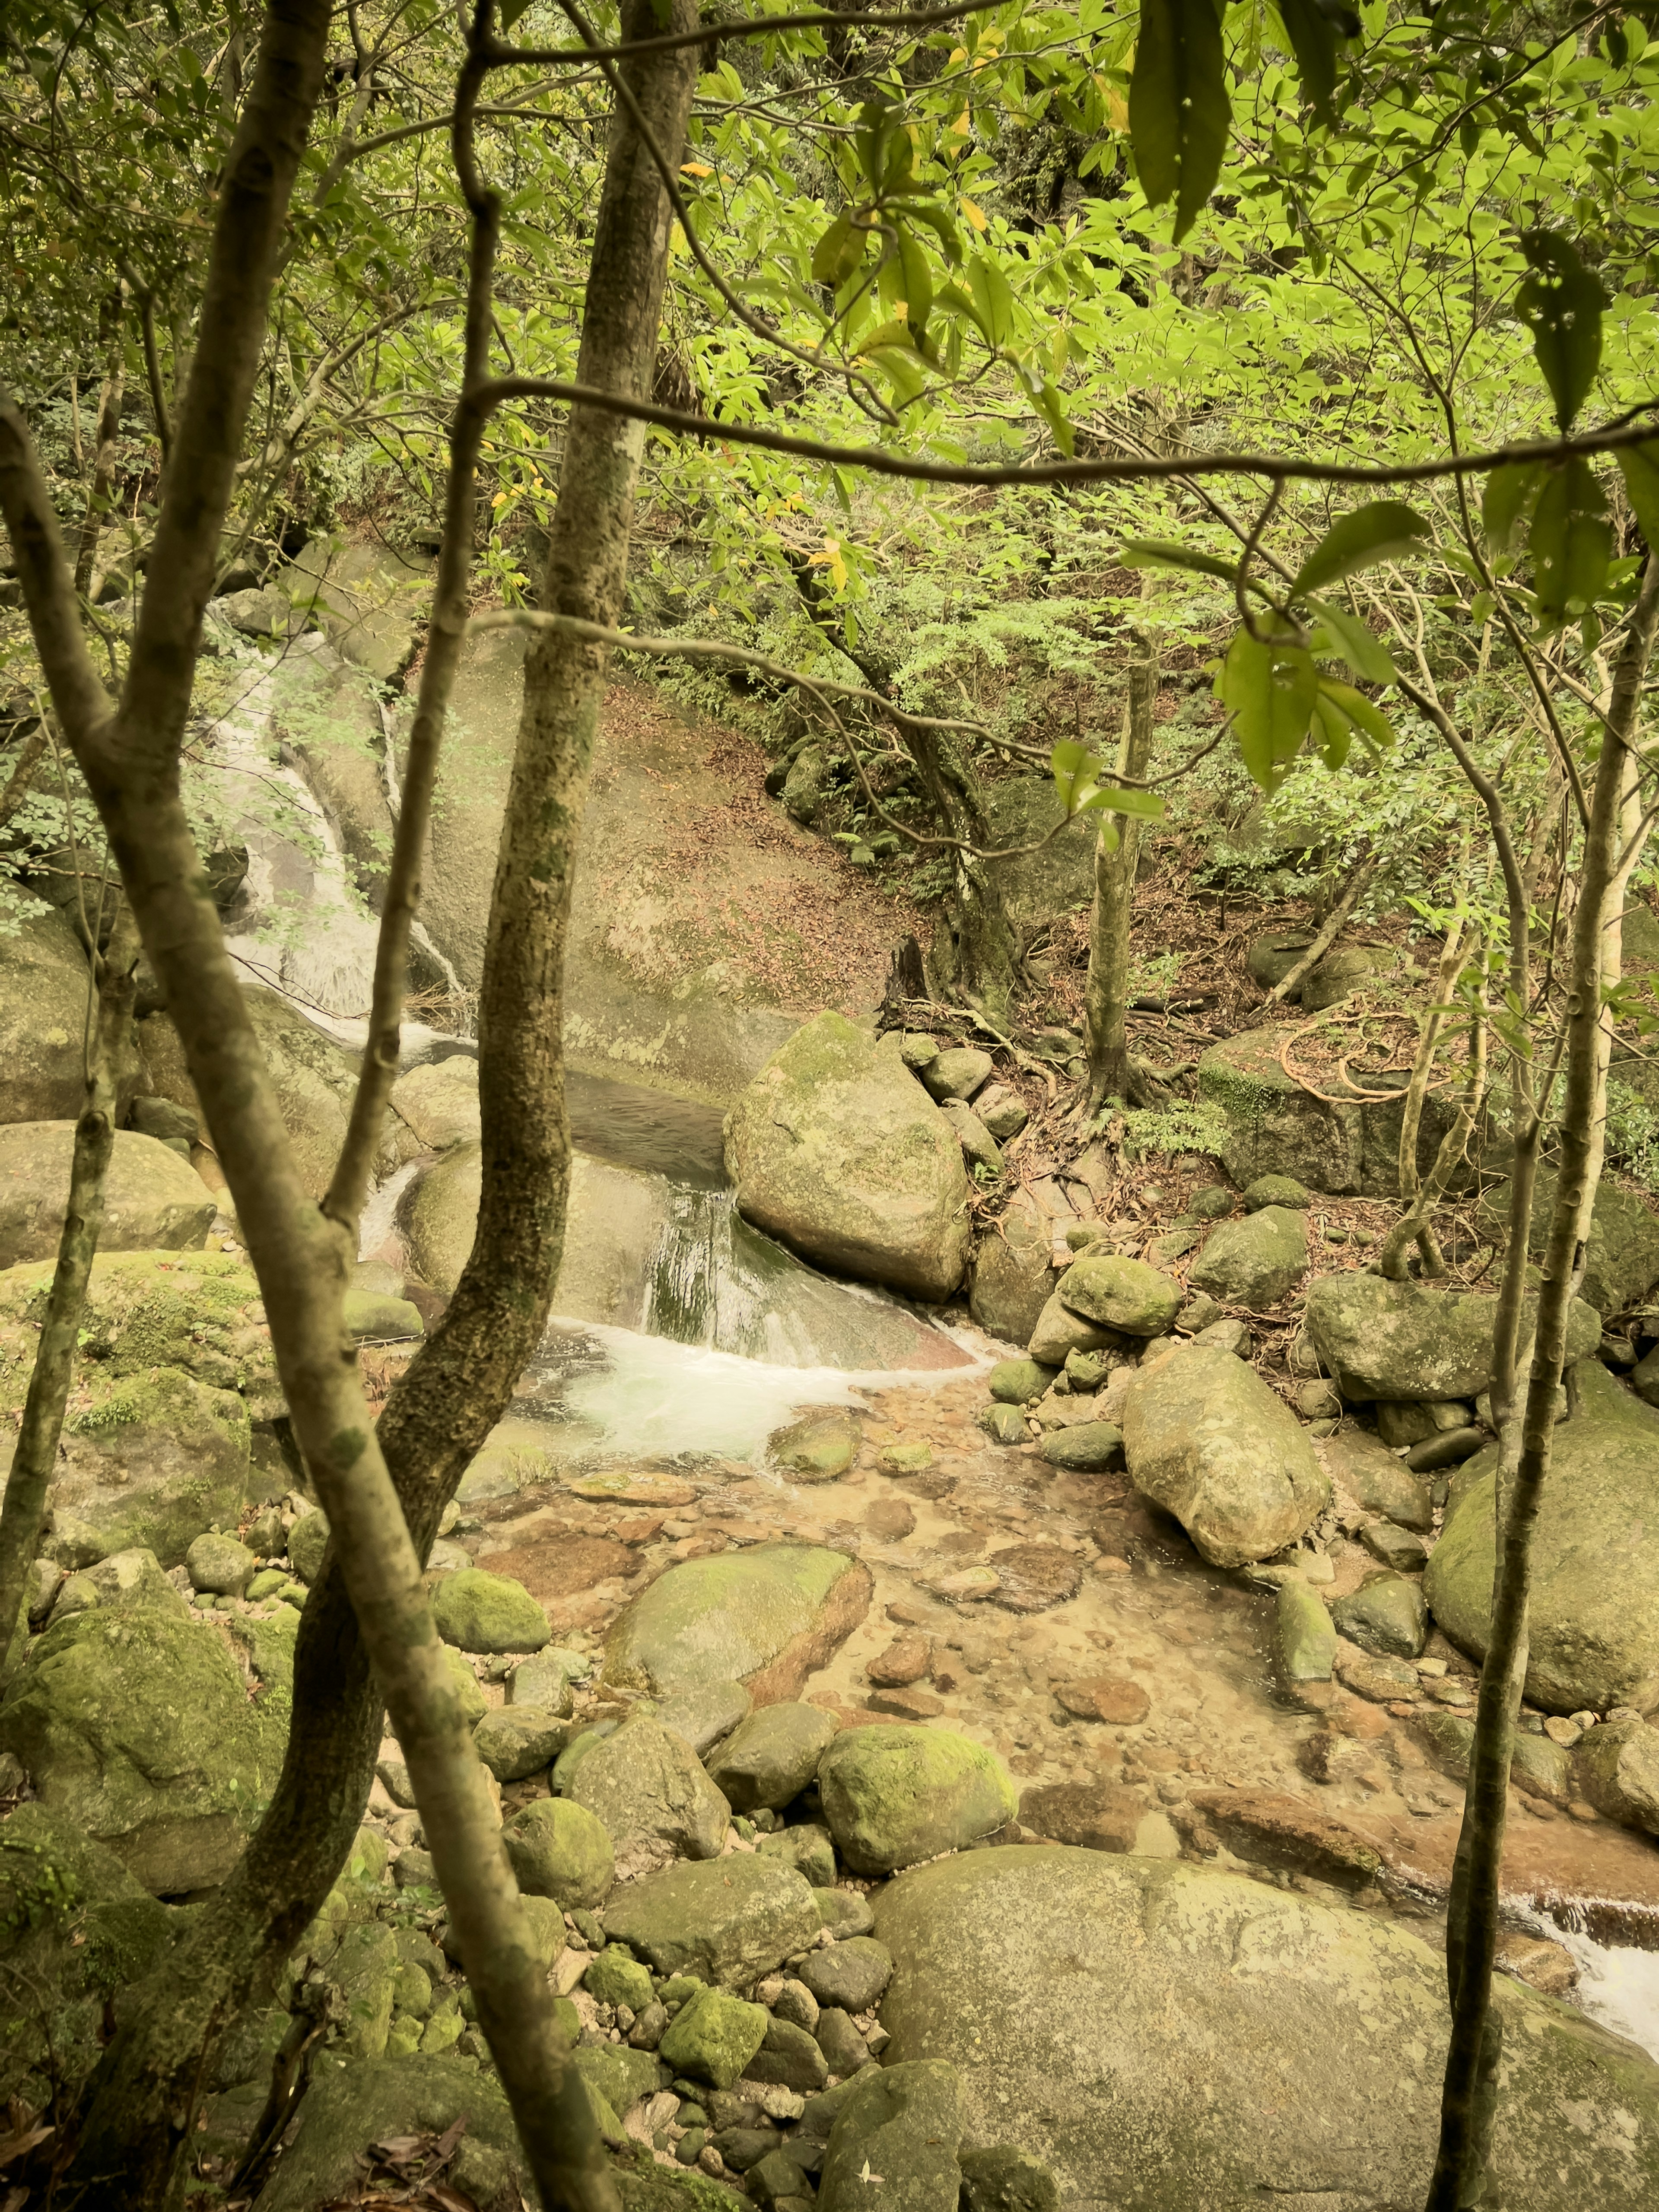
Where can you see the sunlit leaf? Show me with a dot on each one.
(1364, 652)
(918, 280)
(1179, 111)
(1382, 529)
(1334, 729)
(1270, 688)
(994, 297)
(1371, 721)
(1560, 302)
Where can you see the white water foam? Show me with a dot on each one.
(1618, 1985)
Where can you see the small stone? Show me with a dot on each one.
(1199, 1313)
(819, 1449)
(907, 1659)
(1086, 1371)
(1086, 1448)
(1212, 1202)
(843, 1913)
(559, 1850)
(517, 1741)
(1377, 1676)
(1450, 1448)
(1115, 1700)
(1387, 1613)
(1560, 1729)
(1396, 1547)
(1276, 1190)
(903, 1459)
(1017, 1381)
(772, 1757)
(794, 2002)
(1005, 1425)
(918, 1052)
(1412, 1423)
(714, 2038)
(844, 2049)
(545, 1680)
(1003, 1113)
(894, 1518)
(1304, 1639)
(617, 1977)
(852, 1975)
(1319, 1401)
(956, 1073)
(788, 2058)
(480, 1611)
(1121, 1294)
(219, 1566)
(1031, 1577)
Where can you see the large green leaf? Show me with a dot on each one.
(1510, 491)
(1334, 729)
(994, 297)
(1561, 302)
(1270, 688)
(1166, 553)
(1077, 772)
(918, 280)
(839, 252)
(1371, 720)
(1382, 529)
(1570, 544)
(1364, 653)
(1639, 466)
(1179, 112)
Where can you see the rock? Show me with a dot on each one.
(1031, 1577)
(1115, 1699)
(1377, 1676)
(892, 1796)
(1097, 1816)
(365, 1970)
(1318, 1402)
(151, 1460)
(544, 1681)
(1305, 1640)
(439, 1103)
(1645, 1378)
(1256, 1262)
(1621, 1252)
(1276, 1190)
(844, 1913)
(893, 2148)
(1397, 1340)
(1017, 1381)
(806, 1847)
(1350, 967)
(844, 2049)
(43, 1013)
(1542, 1769)
(480, 1611)
(1045, 1976)
(1618, 1769)
(1402, 1424)
(153, 1201)
(219, 1566)
(621, 2076)
(836, 1150)
(1448, 1740)
(852, 1975)
(1002, 1111)
(902, 1459)
(766, 1616)
(307, 1540)
(133, 1577)
(1380, 1482)
(790, 2058)
(1270, 958)
(135, 1725)
(772, 1757)
(617, 1977)
(1595, 1605)
(705, 1714)
(1396, 1547)
(1125, 1295)
(907, 1659)
(649, 1790)
(1059, 1331)
(1386, 1614)
(956, 1073)
(1004, 2179)
(467, 1692)
(373, 1318)
(516, 1741)
(1085, 1448)
(727, 1921)
(1450, 1448)
(1012, 1277)
(1005, 1425)
(1274, 1831)
(979, 1147)
(1207, 1439)
(819, 1449)
(714, 2038)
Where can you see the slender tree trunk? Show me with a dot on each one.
(1417, 1207)
(110, 986)
(108, 429)
(1106, 1002)
(1469, 2098)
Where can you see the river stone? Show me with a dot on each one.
(705, 1713)
(1617, 1767)
(1125, 1295)
(371, 1317)
(153, 1200)
(845, 2051)
(544, 1679)
(1207, 1439)
(806, 1847)
(789, 2058)
(470, 1696)
(771, 1757)
(1379, 1481)
(819, 1449)
(892, 1796)
(517, 1741)
(712, 2038)
(617, 1977)
(1621, 1252)
(956, 1073)
(1084, 1447)
(1049, 1977)
(307, 1540)
(219, 1566)
(1305, 1640)
(1387, 1614)
(727, 1922)
(365, 1972)
(1381, 1339)
(767, 1617)
(844, 1913)
(152, 1460)
(1012, 1277)
(44, 988)
(350, 2105)
(1594, 1608)
(893, 2147)
(1005, 1425)
(1059, 1331)
(1017, 1381)
(852, 1975)
(1256, 1261)
(836, 1149)
(440, 1102)
(480, 1611)
(648, 1787)
(135, 1723)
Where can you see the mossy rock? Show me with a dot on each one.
(1403, 1341)
(152, 1460)
(726, 1921)
(767, 1617)
(893, 1796)
(1121, 1294)
(714, 2038)
(154, 1200)
(1254, 1262)
(353, 2103)
(560, 1850)
(771, 1757)
(480, 1611)
(819, 1449)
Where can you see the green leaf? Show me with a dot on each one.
(1053, 408)
(994, 297)
(1560, 302)
(893, 332)
(1570, 544)
(940, 223)
(1179, 111)
(509, 13)
(1510, 491)
(1270, 689)
(951, 300)
(1639, 466)
(1334, 729)
(1121, 798)
(918, 280)
(1364, 653)
(1382, 529)
(1166, 553)
(839, 252)
(1074, 770)
(1371, 723)
(875, 124)
(1313, 40)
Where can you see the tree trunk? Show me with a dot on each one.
(112, 980)
(108, 429)
(1469, 2098)
(1106, 1002)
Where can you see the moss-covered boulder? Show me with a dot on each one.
(1254, 1261)
(1049, 1979)
(771, 1757)
(152, 1460)
(1207, 1440)
(480, 1611)
(648, 1790)
(1402, 1340)
(561, 1849)
(154, 1200)
(135, 1725)
(713, 2037)
(819, 1448)
(1594, 1609)
(1621, 1252)
(837, 1150)
(44, 985)
(893, 1795)
(893, 2147)
(726, 1921)
(1126, 1295)
(1012, 1277)
(766, 1616)
(439, 1103)
(353, 2103)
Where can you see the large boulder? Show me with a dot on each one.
(1401, 1341)
(476, 1611)
(154, 1200)
(200, 1311)
(1013, 1274)
(1207, 1440)
(893, 1796)
(135, 1723)
(727, 1921)
(155, 1460)
(561, 1849)
(1253, 1262)
(1621, 1252)
(767, 1617)
(836, 1149)
(1594, 1610)
(439, 1103)
(1116, 1293)
(893, 2147)
(329, 719)
(351, 2105)
(1185, 2040)
(44, 985)
(646, 1788)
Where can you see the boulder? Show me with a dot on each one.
(1084, 1447)
(1058, 1333)
(218, 1566)
(1050, 1978)
(560, 1850)
(712, 2038)
(806, 1847)
(152, 1460)
(515, 1741)
(893, 1795)
(1387, 1615)
(771, 1757)
(307, 1540)
(956, 1073)
(480, 1611)
(1012, 1278)
(134, 1724)
(1017, 1381)
(1275, 1190)
(351, 2105)
(852, 1975)
(439, 1103)
(1621, 1252)
(1207, 1439)
(1617, 1770)
(1348, 969)
(767, 1617)
(1270, 958)
(615, 1976)
(727, 1921)
(1256, 1261)
(1594, 1607)
(820, 1448)
(1125, 1295)
(893, 2147)
(1377, 1481)
(837, 1150)
(153, 1200)
(1380, 1340)
(648, 1790)
(44, 987)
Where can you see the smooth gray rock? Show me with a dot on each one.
(772, 1757)
(727, 1922)
(648, 1787)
